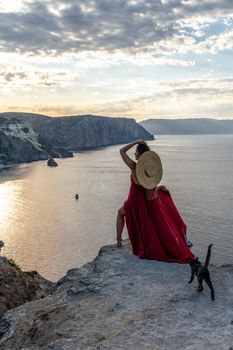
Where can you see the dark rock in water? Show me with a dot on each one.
(51, 162)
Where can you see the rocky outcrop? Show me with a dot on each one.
(51, 162)
(121, 302)
(18, 142)
(25, 137)
(18, 287)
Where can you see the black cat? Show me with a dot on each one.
(202, 272)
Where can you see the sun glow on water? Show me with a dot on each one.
(9, 192)
(5, 202)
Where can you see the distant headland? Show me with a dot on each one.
(188, 126)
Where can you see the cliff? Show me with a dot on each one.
(85, 131)
(34, 136)
(19, 142)
(121, 302)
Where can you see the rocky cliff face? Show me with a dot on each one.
(119, 301)
(92, 131)
(83, 132)
(18, 142)
(26, 137)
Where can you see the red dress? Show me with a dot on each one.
(155, 227)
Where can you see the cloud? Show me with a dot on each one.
(9, 76)
(175, 99)
(14, 77)
(216, 43)
(170, 99)
(108, 57)
(132, 26)
(93, 60)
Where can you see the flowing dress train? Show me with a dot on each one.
(155, 227)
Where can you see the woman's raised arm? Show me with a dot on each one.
(128, 161)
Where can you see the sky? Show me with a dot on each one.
(133, 58)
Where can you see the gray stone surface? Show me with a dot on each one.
(121, 302)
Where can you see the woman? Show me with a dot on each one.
(155, 227)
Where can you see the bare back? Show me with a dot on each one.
(134, 175)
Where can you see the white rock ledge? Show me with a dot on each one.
(121, 302)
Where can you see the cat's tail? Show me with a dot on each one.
(207, 260)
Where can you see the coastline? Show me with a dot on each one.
(3, 166)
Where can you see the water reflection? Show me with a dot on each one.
(9, 194)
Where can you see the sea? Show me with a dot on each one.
(45, 228)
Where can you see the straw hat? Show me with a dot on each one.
(149, 170)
